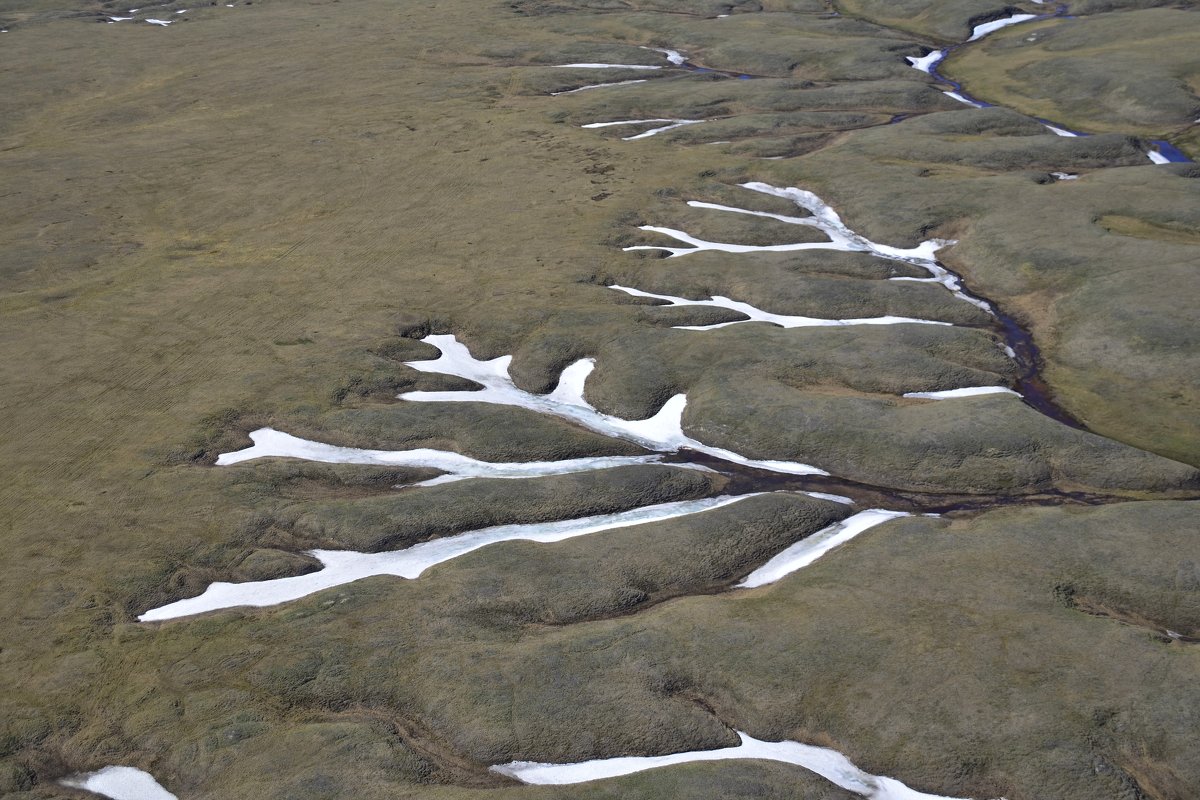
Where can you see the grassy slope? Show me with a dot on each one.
(232, 213)
(1133, 72)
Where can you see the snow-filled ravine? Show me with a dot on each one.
(270, 443)
(758, 315)
(662, 432)
(340, 567)
(822, 217)
(829, 764)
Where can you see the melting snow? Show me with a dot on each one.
(120, 783)
(829, 764)
(342, 567)
(810, 548)
(662, 432)
(273, 443)
(972, 391)
(758, 315)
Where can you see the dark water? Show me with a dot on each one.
(746, 480)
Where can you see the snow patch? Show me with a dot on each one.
(829, 764)
(810, 548)
(758, 315)
(119, 783)
(342, 567)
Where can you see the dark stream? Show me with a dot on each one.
(1164, 148)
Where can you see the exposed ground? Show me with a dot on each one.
(250, 217)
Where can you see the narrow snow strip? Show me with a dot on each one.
(963, 99)
(162, 22)
(1057, 131)
(119, 19)
(758, 315)
(791, 220)
(833, 498)
(679, 123)
(1157, 157)
(119, 783)
(1065, 176)
(810, 548)
(829, 764)
(623, 122)
(342, 567)
(971, 391)
(983, 30)
(673, 123)
(597, 86)
(606, 66)
(662, 432)
(272, 443)
(927, 62)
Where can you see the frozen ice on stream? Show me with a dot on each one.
(810, 548)
(983, 30)
(758, 315)
(674, 56)
(119, 783)
(826, 220)
(829, 764)
(927, 62)
(662, 432)
(272, 443)
(341, 567)
(1057, 131)
(964, 99)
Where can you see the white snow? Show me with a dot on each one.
(829, 764)
(1057, 131)
(810, 548)
(971, 391)
(833, 498)
(825, 219)
(1065, 176)
(1157, 157)
(758, 315)
(674, 56)
(597, 86)
(960, 98)
(342, 567)
(607, 66)
(983, 30)
(272, 443)
(662, 432)
(673, 123)
(119, 19)
(927, 62)
(120, 783)
(162, 22)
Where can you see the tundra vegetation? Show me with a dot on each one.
(271, 215)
